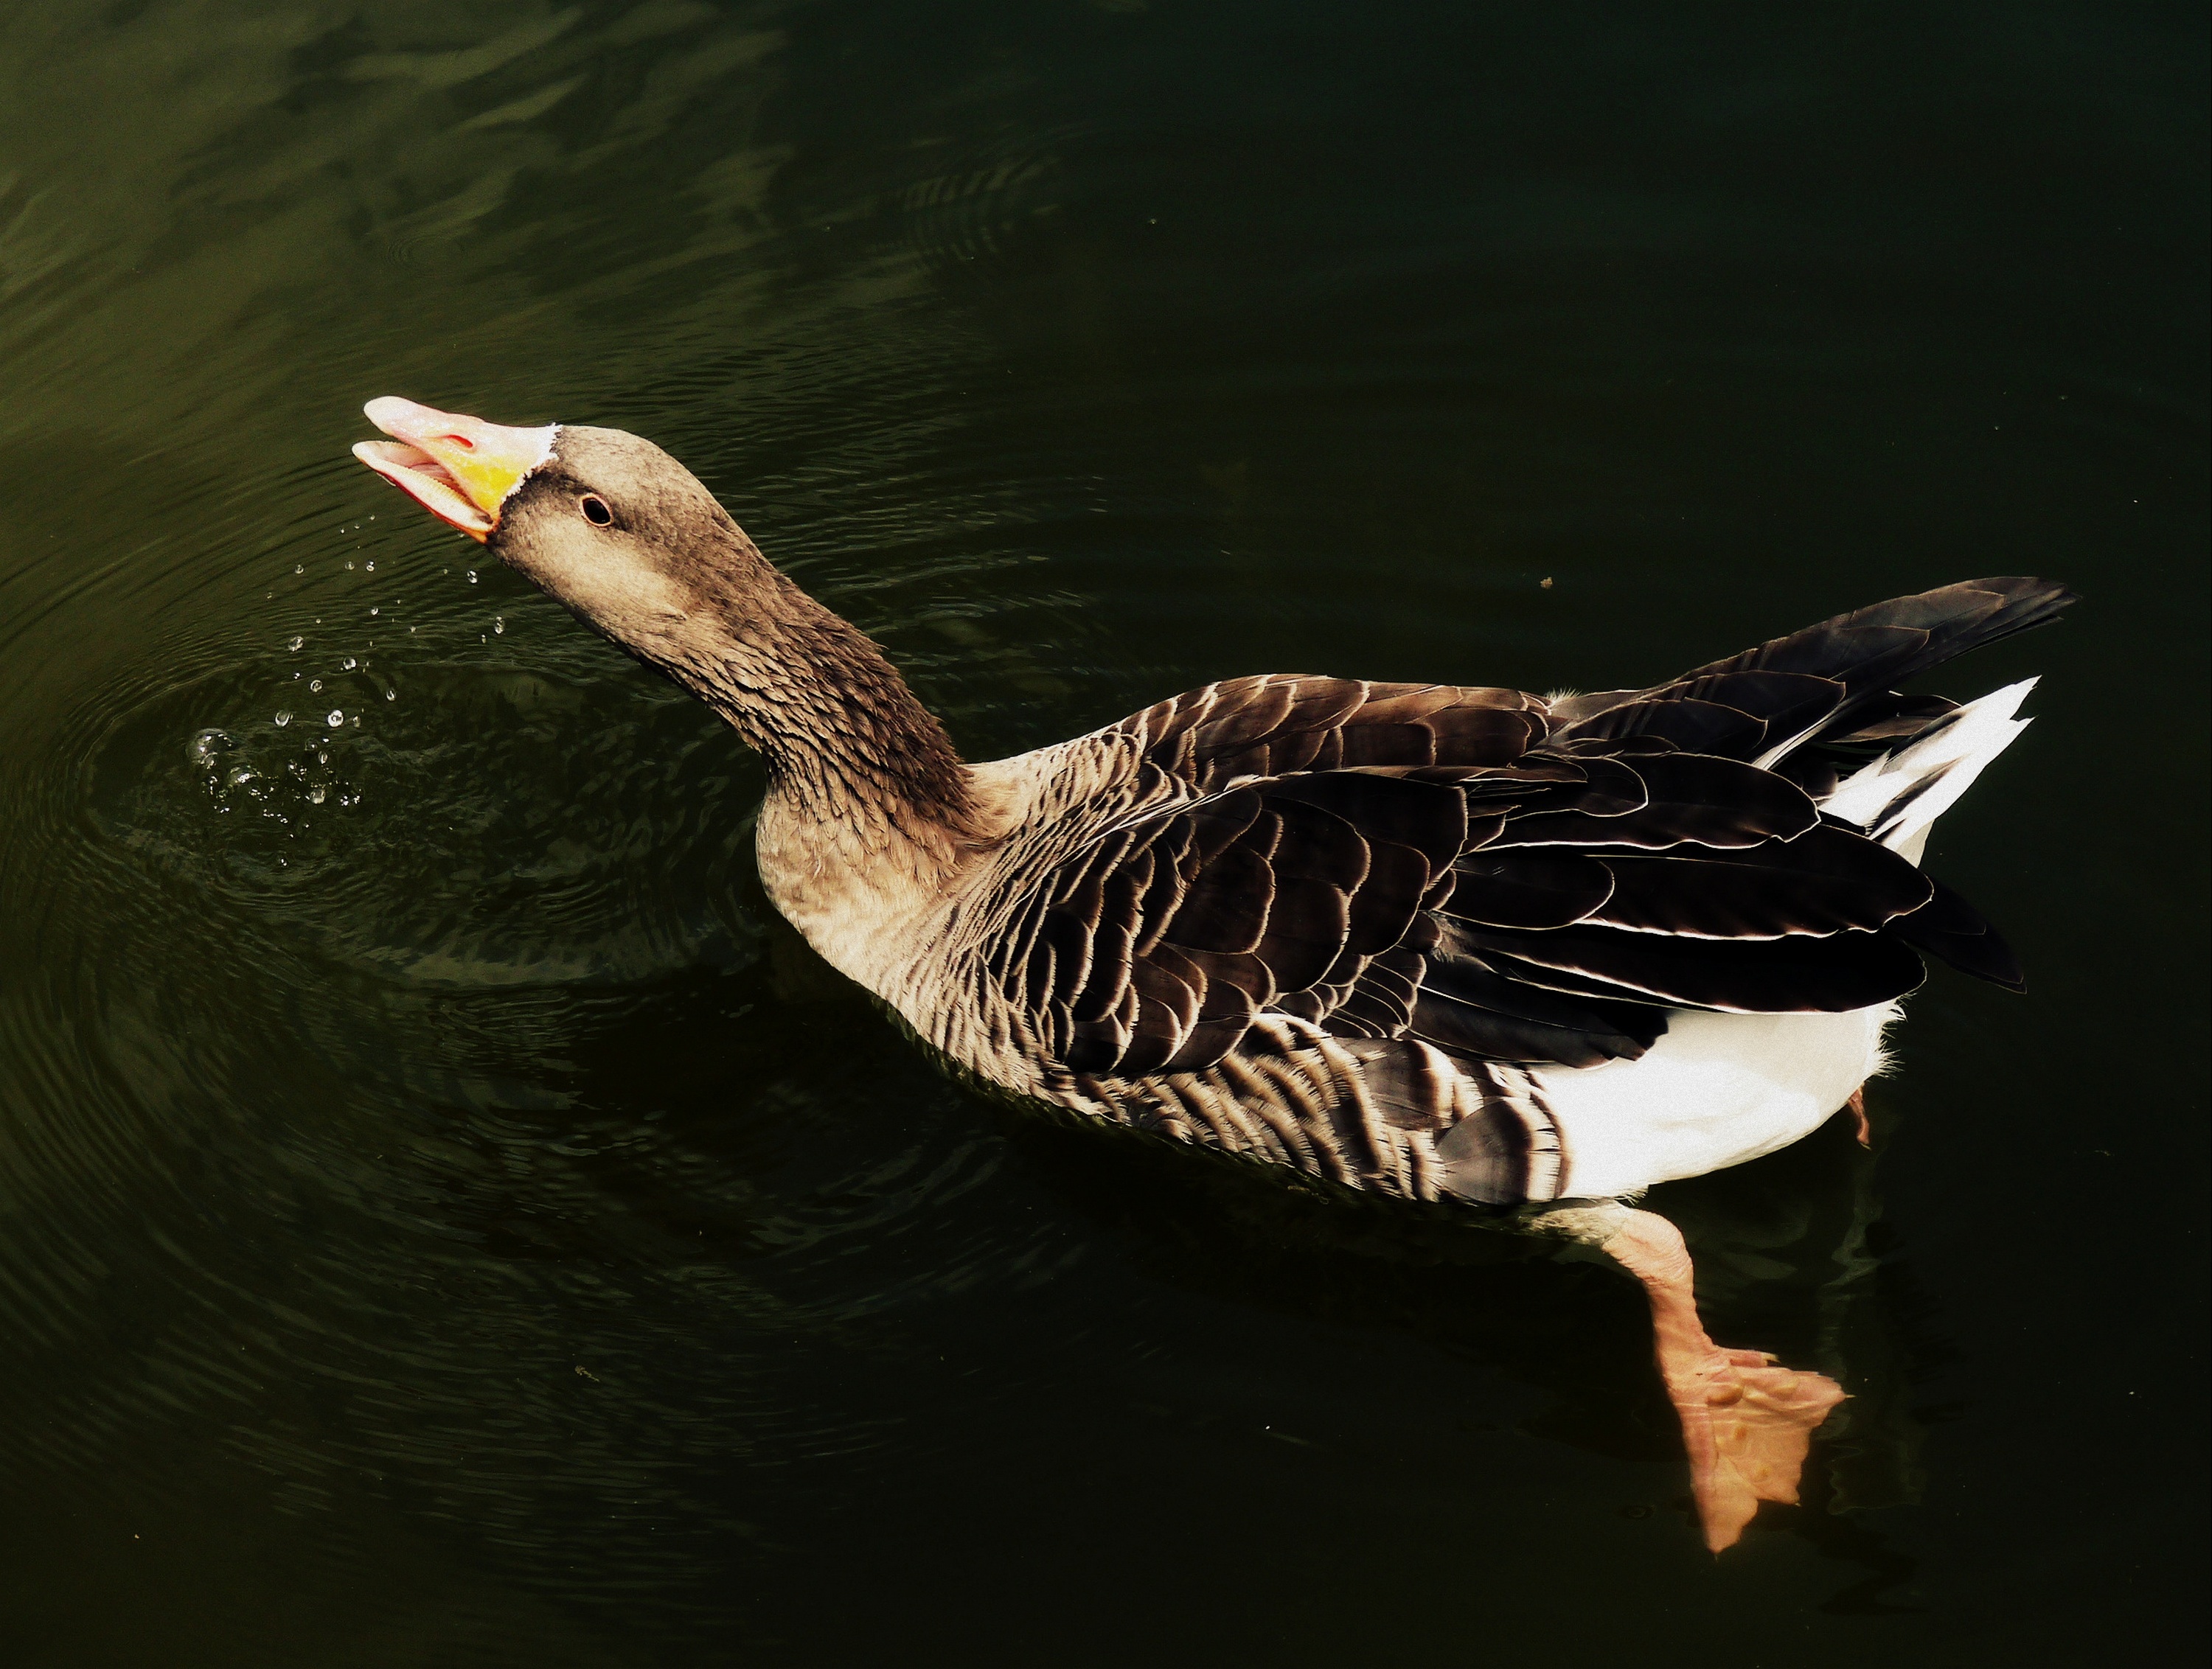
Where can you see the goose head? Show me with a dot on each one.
(603, 521)
(627, 538)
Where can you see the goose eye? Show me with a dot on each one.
(595, 510)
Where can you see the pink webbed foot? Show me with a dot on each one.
(1746, 1424)
(1857, 1104)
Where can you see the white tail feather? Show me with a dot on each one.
(1896, 798)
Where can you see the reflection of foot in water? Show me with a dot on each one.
(1781, 1260)
(1746, 1424)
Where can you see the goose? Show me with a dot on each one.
(1524, 957)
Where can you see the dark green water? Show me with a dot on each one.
(444, 1221)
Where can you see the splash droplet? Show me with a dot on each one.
(472, 576)
(299, 567)
(335, 719)
(283, 719)
(211, 746)
(295, 643)
(348, 665)
(368, 567)
(317, 795)
(390, 695)
(348, 565)
(497, 624)
(315, 684)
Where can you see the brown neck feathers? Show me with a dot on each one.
(839, 729)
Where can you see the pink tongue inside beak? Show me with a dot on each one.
(425, 479)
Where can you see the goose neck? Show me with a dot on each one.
(845, 740)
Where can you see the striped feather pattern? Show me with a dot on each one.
(1344, 926)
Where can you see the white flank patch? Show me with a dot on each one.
(1716, 1090)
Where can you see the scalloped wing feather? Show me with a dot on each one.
(1494, 877)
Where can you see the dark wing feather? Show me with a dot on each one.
(1497, 878)
(1549, 886)
(1874, 647)
(1827, 880)
(1792, 975)
(1949, 927)
(1736, 715)
(1689, 796)
(1466, 1005)
(1829, 683)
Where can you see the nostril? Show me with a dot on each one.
(462, 442)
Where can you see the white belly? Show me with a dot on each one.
(1718, 1090)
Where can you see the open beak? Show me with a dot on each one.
(460, 469)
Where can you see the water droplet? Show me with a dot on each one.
(348, 565)
(211, 744)
(375, 611)
(497, 624)
(390, 695)
(315, 684)
(283, 719)
(335, 718)
(368, 567)
(317, 795)
(321, 758)
(299, 567)
(295, 643)
(348, 665)
(472, 576)
(241, 777)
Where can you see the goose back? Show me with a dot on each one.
(1352, 926)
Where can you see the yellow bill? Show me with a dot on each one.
(460, 469)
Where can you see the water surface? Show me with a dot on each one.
(444, 1219)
